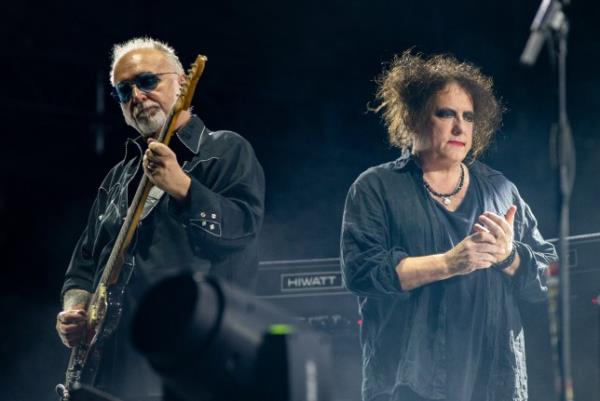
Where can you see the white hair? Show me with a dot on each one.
(144, 42)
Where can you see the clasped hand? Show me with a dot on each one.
(491, 242)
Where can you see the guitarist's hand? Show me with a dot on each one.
(161, 166)
(70, 325)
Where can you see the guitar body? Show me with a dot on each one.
(84, 362)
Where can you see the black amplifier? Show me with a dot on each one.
(584, 274)
(310, 289)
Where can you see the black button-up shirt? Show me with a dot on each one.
(389, 216)
(213, 230)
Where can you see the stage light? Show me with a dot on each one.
(209, 340)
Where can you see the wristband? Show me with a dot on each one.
(508, 261)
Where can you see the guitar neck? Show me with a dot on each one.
(112, 269)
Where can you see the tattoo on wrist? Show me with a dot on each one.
(75, 297)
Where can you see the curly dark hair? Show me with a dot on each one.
(405, 91)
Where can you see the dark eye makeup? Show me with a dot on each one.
(468, 116)
(445, 113)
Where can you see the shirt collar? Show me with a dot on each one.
(192, 133)
(406, 160)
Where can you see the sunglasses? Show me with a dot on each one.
(146, 82)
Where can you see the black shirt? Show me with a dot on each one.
(468, 345)
(213, 230)
(404, 335)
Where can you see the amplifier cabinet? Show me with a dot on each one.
(312, 290)
(584, 275)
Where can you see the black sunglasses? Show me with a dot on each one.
(146, 82)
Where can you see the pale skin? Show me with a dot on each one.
(441, 148)
(159, 162)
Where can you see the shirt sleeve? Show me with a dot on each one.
(224, 207)
(535, 253)
(368, 259)
(83, 265)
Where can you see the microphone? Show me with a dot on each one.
(549, 17)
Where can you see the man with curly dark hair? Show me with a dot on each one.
(438, 246)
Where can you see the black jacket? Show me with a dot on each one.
(389, 216)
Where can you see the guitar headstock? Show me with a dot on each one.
(186, 93)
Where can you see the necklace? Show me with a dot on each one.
(446, 197)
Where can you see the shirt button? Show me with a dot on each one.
(213, 216)
(212, 226)
(202, 214)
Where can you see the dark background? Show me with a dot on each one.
(294, 78)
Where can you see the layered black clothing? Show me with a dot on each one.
(408, 338)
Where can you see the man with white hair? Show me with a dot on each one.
(203, 214)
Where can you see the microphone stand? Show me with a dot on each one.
(551, 23)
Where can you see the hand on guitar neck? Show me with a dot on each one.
(162, 168)
(71, 322)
